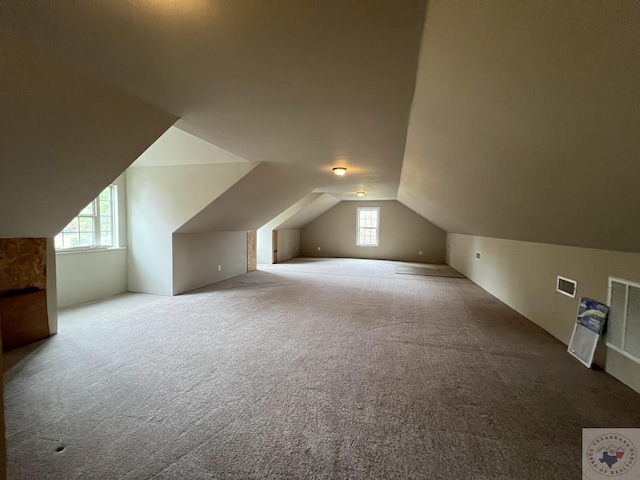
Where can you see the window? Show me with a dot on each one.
(368, 226)
(623, 330)
(95, 225)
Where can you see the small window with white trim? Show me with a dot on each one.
(94, 227)
(368, 226)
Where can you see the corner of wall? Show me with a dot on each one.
(52, 287)
(523, 276)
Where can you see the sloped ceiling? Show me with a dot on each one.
(255, 199)
(313, 210)
(525, 122)
(64, 135)
(306, 85)
(281, 218)
(177, 147)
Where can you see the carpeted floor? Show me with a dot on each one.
(427, 269)
(311, 369)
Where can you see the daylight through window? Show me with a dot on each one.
(368, 226)
(94, 226)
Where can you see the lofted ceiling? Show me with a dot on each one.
(307, 85)
(500, 118)
(177, 147)
(56, 123)
(525, 122)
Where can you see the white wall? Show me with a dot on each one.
(265, 233)
(82, 276)
(403, 234)
(523, 275)
(160, 200)
(264, 240)
(288, 244)
(196, 257)
(85, 276)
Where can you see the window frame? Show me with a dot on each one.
(621, 348)
(376, 228)
(97, 223)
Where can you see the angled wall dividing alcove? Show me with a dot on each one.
(288, 225)
(64, 135)
(212, 245)
(159, 201)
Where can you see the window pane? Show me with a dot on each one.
(105, 195)
(70, 240)
(89, 209)
(105, 208)
(86, 239)
(368, 236)
(87, 224)
(106, 239)
(105, 223)
(368, 223)
(72, 227)
(84, 230)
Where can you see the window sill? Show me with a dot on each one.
(88, 250)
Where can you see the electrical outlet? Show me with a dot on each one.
(219, 268)
(477, 255)
(319, 248)
(420, 252)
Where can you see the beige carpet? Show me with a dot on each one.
(313, 369)
(427, 269)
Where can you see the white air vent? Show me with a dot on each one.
(566, 286)
(623, 331)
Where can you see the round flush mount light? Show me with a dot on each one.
(339, 171)
(360, 194)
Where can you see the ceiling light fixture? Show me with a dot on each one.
(360, 194)
(339, 171)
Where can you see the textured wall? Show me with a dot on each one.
(23, 263)
(23, 313)
(252, 250)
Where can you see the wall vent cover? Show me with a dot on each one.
(623, 331)
(566, 286)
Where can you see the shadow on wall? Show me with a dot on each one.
(403, 235)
